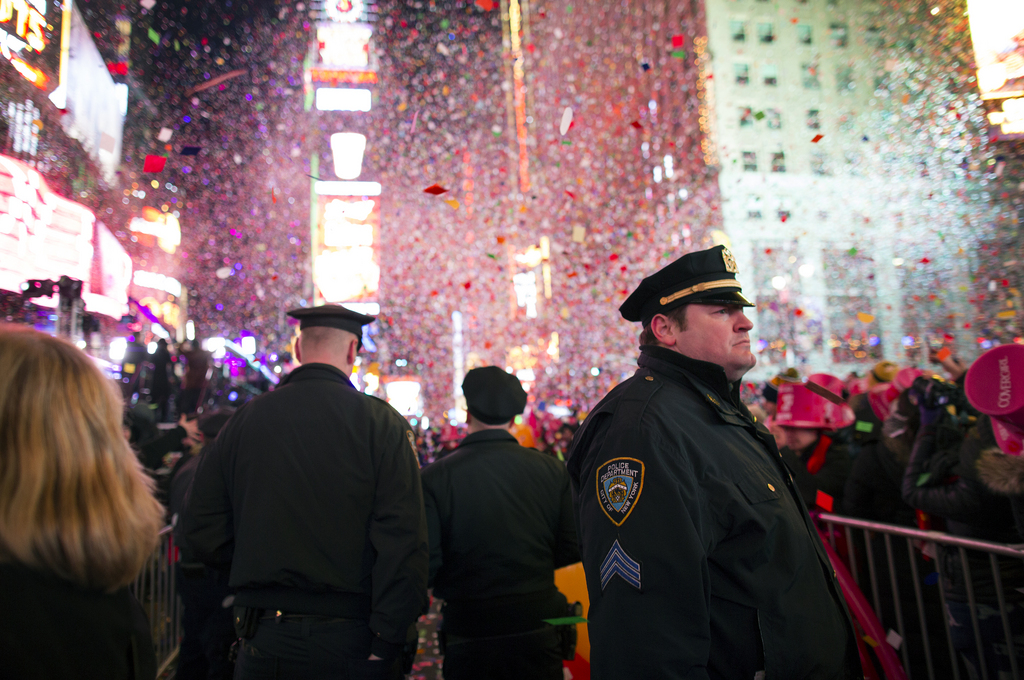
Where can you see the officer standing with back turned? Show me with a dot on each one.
(312, 494)
(700, 557)
(501, 522)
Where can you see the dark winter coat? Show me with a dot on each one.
(500, 520)
(873, 489)
(829, 479)
(971, 510)
(312, 493)
(701, 559)
(1003, 475)
(53, 629)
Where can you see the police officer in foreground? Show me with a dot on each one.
(700, 556)
(312, 494)
(501, 522)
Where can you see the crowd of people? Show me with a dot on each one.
(934, 446)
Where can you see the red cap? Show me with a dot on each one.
(995, 386)
(799, 407)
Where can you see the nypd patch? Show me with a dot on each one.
(618, 562)
(619, 484)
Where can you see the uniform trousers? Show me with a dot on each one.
(536, 655)
(207, 629)
(313, 648)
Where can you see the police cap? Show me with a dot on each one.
(492, 395)
(706, 277)
(332, 316)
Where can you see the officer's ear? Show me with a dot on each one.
(353, 350)
(664, 330)
(298, 349)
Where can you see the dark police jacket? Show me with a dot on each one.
(701, 559)
(500, 521)
(312, 493)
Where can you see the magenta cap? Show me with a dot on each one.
(995, 384)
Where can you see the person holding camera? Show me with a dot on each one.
(943, 479)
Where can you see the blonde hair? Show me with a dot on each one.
(74, 500)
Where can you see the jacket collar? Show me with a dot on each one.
(487, 436)
(317, 372)
(679, 366)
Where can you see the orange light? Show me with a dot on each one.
(30, 73)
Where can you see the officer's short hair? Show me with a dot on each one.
(676, 316)
(320, 336)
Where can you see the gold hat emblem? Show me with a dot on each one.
(730, 261)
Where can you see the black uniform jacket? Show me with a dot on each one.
(501, 521)
(312, 492)
(830, 479)
(701, 558)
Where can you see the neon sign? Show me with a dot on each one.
(26, 34)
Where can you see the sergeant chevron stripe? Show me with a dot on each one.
(617, 561)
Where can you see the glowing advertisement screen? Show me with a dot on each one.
(997, 31)
(345, 264)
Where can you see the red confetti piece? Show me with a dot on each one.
(925, 260)
(783, 218)
(637, 125)
(798, 312)
(943, 354)
(273, 196)
(501, 239)
(677, 41)
(967, 325)
(817, 138)
(570, 194)
(154, 163)
(485, 5)
(824, 501)
(613, 257)
(435, 190)
(1006, 283)
(467, 284)
(433, 293)
(571, 274)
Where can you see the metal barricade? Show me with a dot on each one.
(156, 588)
(894, 582)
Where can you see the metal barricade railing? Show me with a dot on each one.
(156, 588)
(889, 580)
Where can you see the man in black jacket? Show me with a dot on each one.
(701, 559)
(312, 493)
(500, 522)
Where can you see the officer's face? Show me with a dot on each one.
(718, 334)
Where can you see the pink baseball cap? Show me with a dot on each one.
(995, 386)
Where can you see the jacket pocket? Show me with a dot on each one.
(758, 487)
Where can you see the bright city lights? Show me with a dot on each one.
(343, 99)
(323, 188)
(118, 347)
(347, 148)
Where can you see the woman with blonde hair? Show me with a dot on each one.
(77, 518)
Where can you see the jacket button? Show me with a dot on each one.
(649, 378)
(771, 488)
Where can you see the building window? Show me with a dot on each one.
(778, 162)
(742, 72)
(770, 74)
(837, 35)
(738, 29)
(766, 33)
(809, 74)
(754, 207)
(774, 119)
(813, 119)
(873, 37)
(750, 161)
(746, 117)
(803, 34)
(818, 162)
(844, 79)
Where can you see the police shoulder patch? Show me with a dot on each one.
(619, 484)
(618, 562)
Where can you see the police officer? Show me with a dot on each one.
(501, 522)
(312, 493)
(701, 559)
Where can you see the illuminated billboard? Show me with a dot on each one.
(997, 31)
(46, 236)
(31, 32)
(345, 266)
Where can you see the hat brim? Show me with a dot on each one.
(719, 297)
